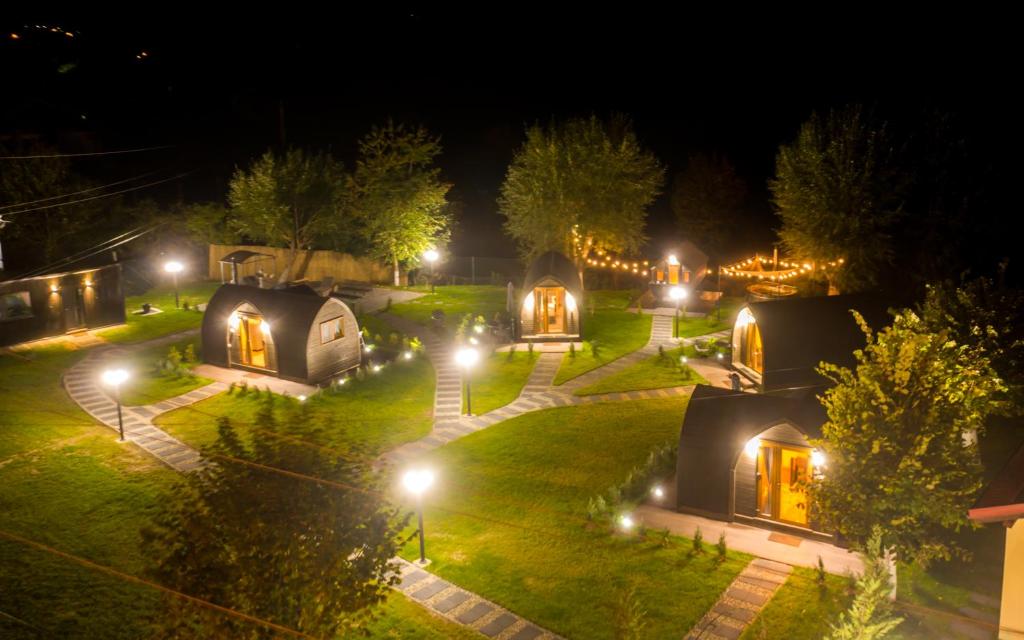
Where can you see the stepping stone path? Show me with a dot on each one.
(742, 601)
(82, 382)
(661, 336)
(465, 608)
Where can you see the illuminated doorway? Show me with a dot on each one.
(250, 344)
(549, 307)
(782, 476)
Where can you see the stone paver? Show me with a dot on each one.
(742, 600)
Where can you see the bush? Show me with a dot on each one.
(190, 354)
(393, 338)
(595, 348)
(572, 349)
(630, 618)
(415, 344)
(529, 347)
(665, 538)
(185, 306)
(173, 359)
(512, 352)
(721, 548)
(698, 542)
(819, 572)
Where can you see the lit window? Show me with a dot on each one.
(15, 305)
(331, 330)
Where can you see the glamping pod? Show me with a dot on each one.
(746, 457)
(684, 265)
(552, 296)
(291, 333)
(777, 344)
(58, 303)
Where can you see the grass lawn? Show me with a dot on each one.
(403, 618)
(506, 519)
(377, 413)
(801, 609)
(498, 379)
(148, 385)
(616, 331)
(690, 326)
(455, 301)
(656, 372)
(140, 328)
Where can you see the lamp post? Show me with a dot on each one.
(677, 294)
(466, 357)
(417, 481)
(174, 268)
(114, 378)
(431, 256)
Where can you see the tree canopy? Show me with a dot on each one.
(901, 439)
(580, 185)
(308, 555)
(706, 199)
(838, 191)
(398, 194)
(291, 200)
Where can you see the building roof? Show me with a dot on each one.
(716, 428)
(554, 265)
(62, 274)
(1003, 499)
(799, 333)
(242, 255)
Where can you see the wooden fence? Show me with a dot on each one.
(310, 265)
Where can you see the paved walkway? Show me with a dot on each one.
(661, 335)
(238, 376)
(82, 383)
(466, 608)
(742, 601)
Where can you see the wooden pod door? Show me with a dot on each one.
(549, 309)
(782, 476)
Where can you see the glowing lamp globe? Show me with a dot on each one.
(431, 255)
(174, 267)
(677, 293)
(114, 377)
(467, 357)
(416, 481)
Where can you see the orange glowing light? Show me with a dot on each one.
(15, 36)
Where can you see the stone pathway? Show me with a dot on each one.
(661, 335)
(544, 371)
(742, 601)
(465, 608)
(82, 383)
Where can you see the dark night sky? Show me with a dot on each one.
(691, 82)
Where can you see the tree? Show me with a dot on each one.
(290, 200)
(870, 614)
(296, 552)
(398, 194)
(838, 192)
(208, 223)
(990, 317)
(901, 439)
(580, 186)
(706, 198)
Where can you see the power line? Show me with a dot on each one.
(159, 587)
(84, 155)
(104, 195)
(75, 193)
(71, 260)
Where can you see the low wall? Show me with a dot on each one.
(310, 265)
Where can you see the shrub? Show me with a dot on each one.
(190, 353)
(630, 618)
(393, 338)
(572, 349)
(665, 538)
(173, 359)
(597, 508)
(595, 348)
(512, 351)
(721, 548)
(529, 347)
(231, 388)
(185, 305)
(819, 572)
(243, 388)
(698, 542)
(661, 351)
(378, 339)
(387, 305)
(415, 344)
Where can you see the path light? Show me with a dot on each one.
(684, 360)
(376, 368)
(466, 357)
(416, 482)
(174, 268)
(818, 458)
(407, 355)
(720, 355)
(368, 348)
(626, 522)
(115, 378)
(431, 256)
(302, 398)
(677, 294)
(479, 328)
(657, 492)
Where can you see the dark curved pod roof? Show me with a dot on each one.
(556, 266)
(799, 333)
(290, 313)
(717, 426)
(240, 256)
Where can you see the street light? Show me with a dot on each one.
(174, 268)
(466, 357)
(431, 256)
(114, 378)
(417, 481)
(677, 294)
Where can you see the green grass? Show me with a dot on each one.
(498, 379)
(148, 384)
(617, 332)
(656, 372)
(456, 301)
(65, 482)
(140, 328)
(801, 609)
(403, 618)
(382, 411)
(692, 326)
(506, 520)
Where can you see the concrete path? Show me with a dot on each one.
(543, 374)
(238, 376)
(82, 382)
(742, 601)
(466, 608)
(661, 335)
(760, 542)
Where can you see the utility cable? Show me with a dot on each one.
(85, 155)
(75, 193)
(104, 195)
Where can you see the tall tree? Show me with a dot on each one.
(296, 552)
(838, 191)
(291, 200)
(706, 198)
(398, 194)
(579, 186)
(901, 439)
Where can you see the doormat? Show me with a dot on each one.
(782, 538)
